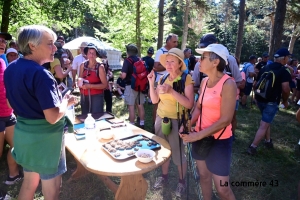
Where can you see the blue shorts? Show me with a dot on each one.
(248, 88)
(237, 103)
(7, 121)
(219, 158)
(61, 169)
(292, 84)
(268, 111)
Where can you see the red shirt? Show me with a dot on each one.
(91, 75)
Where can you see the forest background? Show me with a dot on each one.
(245, 27)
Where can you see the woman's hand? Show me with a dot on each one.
(151, 78)
(191, 137)
(86, 86)
(164, 88)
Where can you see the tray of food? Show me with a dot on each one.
(124, 148)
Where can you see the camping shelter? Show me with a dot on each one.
(113, 55)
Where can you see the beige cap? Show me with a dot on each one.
(83, 44)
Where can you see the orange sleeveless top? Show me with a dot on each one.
(211, 108)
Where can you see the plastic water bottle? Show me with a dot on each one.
(71, 113)
(90, 127)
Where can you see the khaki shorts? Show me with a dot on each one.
(131, 97)
(173, 139)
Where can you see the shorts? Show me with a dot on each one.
(219, 157)
(298, 84)
(292, 84)
(62, 165)
(7, 121)
(132, 97)
(173, 140)
(97, 101)
(248, 89)
(268, 111)
(237, 103)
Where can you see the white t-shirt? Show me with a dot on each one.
(159, 52)
(77, 62)
(250, 69)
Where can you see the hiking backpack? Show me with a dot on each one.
(139, 80)
(227, 69)
(177, 87)
(86, 64)
(265, 86)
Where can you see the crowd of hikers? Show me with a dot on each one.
(194, 101)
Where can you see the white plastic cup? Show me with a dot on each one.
(80, 82)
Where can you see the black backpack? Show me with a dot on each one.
(265, 85)
(179, 87)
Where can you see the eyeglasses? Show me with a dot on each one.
(202, 57)
(3, 41)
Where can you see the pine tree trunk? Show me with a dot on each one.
(242, 15)
(160, 24)
(5, 15)
(278, 27)
(185, 24)
(293, 39)
(138, 27)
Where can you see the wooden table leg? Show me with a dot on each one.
(79, 172)
(132, 187)
(109, 183)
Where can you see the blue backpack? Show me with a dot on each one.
(245, 68)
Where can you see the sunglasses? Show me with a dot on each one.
(202, 57)
(3, 41)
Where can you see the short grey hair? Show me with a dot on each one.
(32, 34)
(279, 58)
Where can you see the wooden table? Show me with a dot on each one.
(92, 158)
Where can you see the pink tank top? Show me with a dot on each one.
(211, 108)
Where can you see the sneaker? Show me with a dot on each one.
(269, 145)
(159, 183)
(180, 189)
(251, 150)
(12, 181)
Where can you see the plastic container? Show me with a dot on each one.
(90, 127)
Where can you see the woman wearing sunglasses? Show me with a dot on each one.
(212, 115)
(95, 81)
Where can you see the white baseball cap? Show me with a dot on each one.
(11, 50)
(218, 49)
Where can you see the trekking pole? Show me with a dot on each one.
(193, 167)
(90, 101)
(191, 163)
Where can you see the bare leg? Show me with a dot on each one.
(205, 179)
(165, 167)
(51, 188)
(224, 192)
(261, 132)
(244, 99)
(12, 165)
(131, 113)
(29, 185)
(141, 111)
